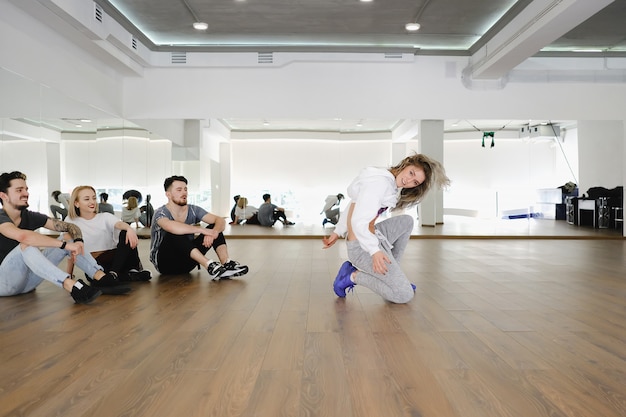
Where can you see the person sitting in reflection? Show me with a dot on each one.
(62, 199)
(270, 213)
(130, 212)
(112, 242)
(331, 209)
(232, 211)
(174, 246)
(246, 213)
(147, 212)
(104, 206)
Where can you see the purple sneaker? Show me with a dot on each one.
(343, 282)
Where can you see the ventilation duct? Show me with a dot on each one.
(179, 57)
(265, 58)
(98, 13)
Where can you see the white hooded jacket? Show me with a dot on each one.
(374, 189)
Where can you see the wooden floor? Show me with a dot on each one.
(502, 327)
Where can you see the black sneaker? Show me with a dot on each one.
(234, 269)
(83, 293)
(107, 280)
(134, 275)
(215, 270)
(110, 284)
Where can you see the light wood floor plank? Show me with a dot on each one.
(510, 327)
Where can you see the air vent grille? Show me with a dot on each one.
(98, 13)
(265, 58)
(393, 55)
(179, 57)
(133, 43)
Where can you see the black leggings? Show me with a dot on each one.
(121, 259)
(175, 250)
(280, 215)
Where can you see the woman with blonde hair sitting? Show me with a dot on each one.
(131, 212)
(245, 213)
(113, 243)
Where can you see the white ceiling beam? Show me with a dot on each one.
(538, 25)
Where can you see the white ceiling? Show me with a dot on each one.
(447, 27)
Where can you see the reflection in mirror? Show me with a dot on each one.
(512, 186)
(60, 143)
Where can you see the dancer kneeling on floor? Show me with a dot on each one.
(175, 248)
(111, 241)
(375, 248)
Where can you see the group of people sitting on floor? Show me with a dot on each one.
(101, 245)
(266, 215)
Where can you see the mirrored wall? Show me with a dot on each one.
(513, 187)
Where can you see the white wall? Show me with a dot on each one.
(29, 157)
(600, 145)
(567, 157)
(117, 162)
(492, 180)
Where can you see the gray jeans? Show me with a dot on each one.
(393, 234)
(61, 211)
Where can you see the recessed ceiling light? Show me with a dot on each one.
(200, 25)
(366, 1)
(412, 27)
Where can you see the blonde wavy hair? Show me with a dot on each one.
(74, 211)
(435, 177)
(242, 202)
(132, 202)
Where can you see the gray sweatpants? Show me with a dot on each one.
(393, 234)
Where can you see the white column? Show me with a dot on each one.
(224, 191)
(431, 144)
(623, 170)
(601, 154)
(398, 152)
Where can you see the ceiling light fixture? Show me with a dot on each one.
(412, 27)
(198, 24)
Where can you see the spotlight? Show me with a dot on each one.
(200, 25)
(412, 27)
